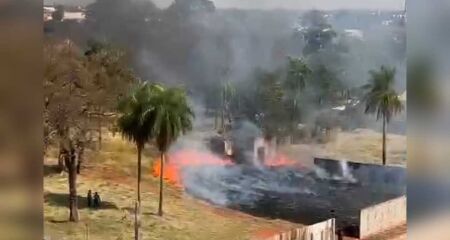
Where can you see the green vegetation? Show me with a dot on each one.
(172, 117)
(382, 100)
(136, 124)
(112, 172)
(93, 88)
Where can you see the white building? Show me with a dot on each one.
(68, 15)
(77, 16)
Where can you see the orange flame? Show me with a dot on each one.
(176, 161)
(280, 160)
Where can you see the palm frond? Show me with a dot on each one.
(381, 98)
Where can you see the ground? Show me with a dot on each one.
(360, 145)
(112, 173)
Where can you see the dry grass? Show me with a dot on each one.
(361, 145)
(111, 172)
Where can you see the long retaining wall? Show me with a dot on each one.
(319, 231)
(382, 217)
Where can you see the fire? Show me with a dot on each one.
(280, 160)
(176, 161)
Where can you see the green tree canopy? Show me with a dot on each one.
(297, 74)
(173, 117)
(317, 32)
(138, 113)
(381, 98)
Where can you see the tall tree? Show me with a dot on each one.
(382, 99)
(124, 22)
(270, 93)
(136, 124)
(297, 74)
(66, 83)
(317, 32)
(326, 87)
(111, 78)
(228, 93)
(173, 117)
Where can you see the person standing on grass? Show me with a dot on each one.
(89, 198)
(97, 200)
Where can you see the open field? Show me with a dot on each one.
(112, 173)
(360, 145)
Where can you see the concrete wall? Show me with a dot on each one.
(382, 217)
(391, 178)
(319, 231)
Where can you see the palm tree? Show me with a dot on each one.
(228, 92)
(173, 117)
(297, 75)
(382, 99)
(136, 124)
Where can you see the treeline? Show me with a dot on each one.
(86, 90)
(259, 55)
(86, 80)
(297, 98)
(82, 89)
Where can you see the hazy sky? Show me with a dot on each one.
(288, 4)
(304, 4)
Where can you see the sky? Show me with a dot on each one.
(285, 4)
(304, 4)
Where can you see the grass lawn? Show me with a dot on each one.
(112, 173)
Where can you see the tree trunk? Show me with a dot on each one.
(384, 140)
(71, 164)
(61, 161)
(137, 210)
(161, 178)
(136, 221)
(215, 119)
(139, 174)
(87, 231)
(293, 126)
(80, 157)
(99, 133)
(222, 120)
(222, 114)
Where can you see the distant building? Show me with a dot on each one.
(49, 9)
(48, 12)
(77, 16)
(74, 14)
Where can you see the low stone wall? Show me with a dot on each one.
(382, 217)
(319, 231)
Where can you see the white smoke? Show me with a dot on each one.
(226, 184)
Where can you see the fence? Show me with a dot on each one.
(382, 217)
(319, 231)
